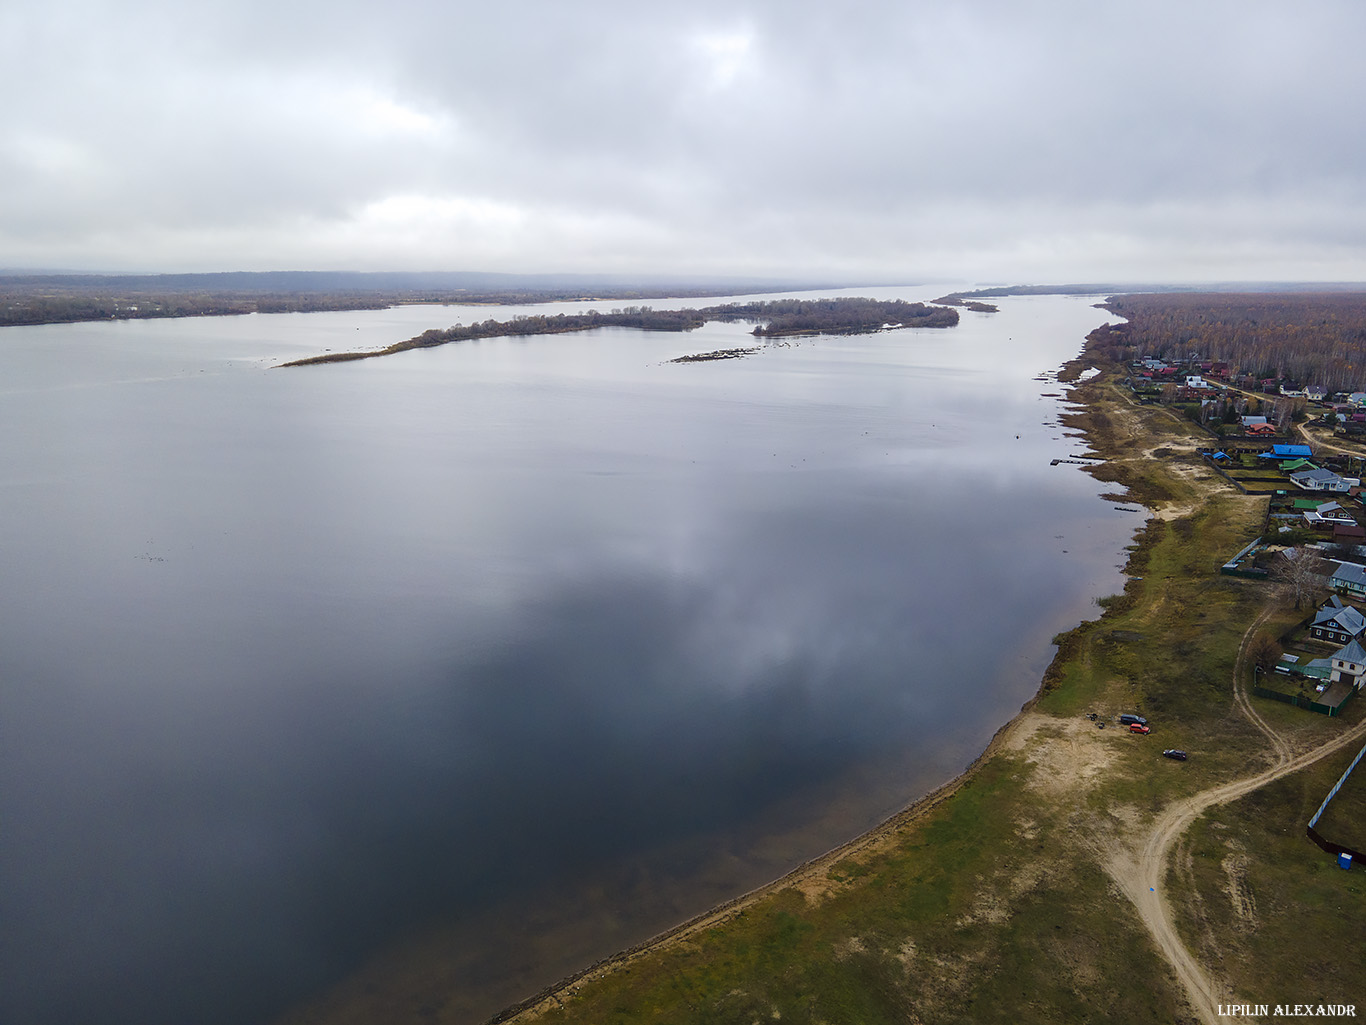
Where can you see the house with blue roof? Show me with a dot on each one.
(1288, 452)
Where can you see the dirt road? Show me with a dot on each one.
(1320, 444)
(1141, 875)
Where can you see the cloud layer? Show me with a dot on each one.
(982, 139)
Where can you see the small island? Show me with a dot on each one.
(706, 357)
(773, 319)
(957, 299)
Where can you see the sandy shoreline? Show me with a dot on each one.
(806, 876)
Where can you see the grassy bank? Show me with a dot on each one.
(994, 900)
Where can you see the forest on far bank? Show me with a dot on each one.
(1308, 338)
(27, 299)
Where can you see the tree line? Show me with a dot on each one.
(1308, 338)
(68, 298)
(844, 316)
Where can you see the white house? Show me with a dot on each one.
(1319, 480)
(1349, 663)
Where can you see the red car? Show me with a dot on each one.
(1138, 727)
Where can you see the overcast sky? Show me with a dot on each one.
(892, 139)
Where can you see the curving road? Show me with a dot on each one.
(1142, 878)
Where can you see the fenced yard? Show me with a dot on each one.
(1340, 823)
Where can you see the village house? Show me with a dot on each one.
(1257, 425)
(1348, 534)
(1319, 480)
(1349, 577)
(1349, 664)
(1327, 516)
(1296, 452)
(1337, 622)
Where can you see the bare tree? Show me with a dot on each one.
(1304, 573)
(1282, 412)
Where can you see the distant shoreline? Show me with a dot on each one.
(31, 300)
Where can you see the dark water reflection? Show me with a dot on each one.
(300, 665)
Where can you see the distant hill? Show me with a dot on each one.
(28, 298)
(295, 282)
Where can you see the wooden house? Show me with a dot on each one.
(1337, 622)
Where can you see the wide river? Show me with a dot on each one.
(438, 676)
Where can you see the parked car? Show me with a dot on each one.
(1128, 720)
(1172, 752)
(1138, 727)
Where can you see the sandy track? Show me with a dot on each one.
(1280, 747)
(1315, 440)
(1141, 877)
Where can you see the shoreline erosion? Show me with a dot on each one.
(882, 834)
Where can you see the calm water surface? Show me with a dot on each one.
(475, 664)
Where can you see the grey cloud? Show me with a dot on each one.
(591, 136)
